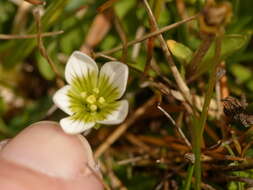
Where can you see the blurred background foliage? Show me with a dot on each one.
(27, 81)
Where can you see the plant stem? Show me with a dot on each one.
(187, 185)
(199, 128)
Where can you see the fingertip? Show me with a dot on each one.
(44, 147)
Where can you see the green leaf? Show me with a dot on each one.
(5, 130)
(17, 50)
(44, 68)
(2, 106)
(241, 73)
(180, 51)
(230, 44)
(123, 6)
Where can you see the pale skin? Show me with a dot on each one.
(43, 157)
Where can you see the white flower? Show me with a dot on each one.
(92, 97)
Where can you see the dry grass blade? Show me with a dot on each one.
(187, 142)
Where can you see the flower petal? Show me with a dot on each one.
(117, 116)
(61, 99)
(78, 65)
(71, 126)
(117, 73)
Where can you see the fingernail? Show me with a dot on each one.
(3, 143)
(45, 148)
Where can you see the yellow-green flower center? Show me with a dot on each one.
(92, 100)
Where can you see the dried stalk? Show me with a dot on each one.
(35, 2)
(43, 49)
(28, 36)
(150, 35)
(179, 80)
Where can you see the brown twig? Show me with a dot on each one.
(28, 36)
(122, 128)
(43, 49)
(35, 2)
(106, 5)
(179, 80)
(107, 57)
(145, 37)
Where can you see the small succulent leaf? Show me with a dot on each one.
(180, 51)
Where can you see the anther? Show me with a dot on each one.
(93, 107)
(91, 99)
(101, 100)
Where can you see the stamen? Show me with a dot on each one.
(93, 107)
(91, 99)
(96, 90)
(101, 100)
